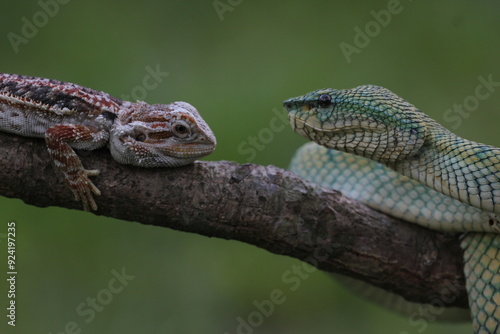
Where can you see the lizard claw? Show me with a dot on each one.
(91, 172)
(83, 189)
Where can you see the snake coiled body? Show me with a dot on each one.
(417, 170)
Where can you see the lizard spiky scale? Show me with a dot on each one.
(71, 117)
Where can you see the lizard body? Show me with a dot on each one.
(69, 117)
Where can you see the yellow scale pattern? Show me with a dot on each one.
(482, 264)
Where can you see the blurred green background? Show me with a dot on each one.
(235, 61)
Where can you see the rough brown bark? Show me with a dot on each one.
(264, 206)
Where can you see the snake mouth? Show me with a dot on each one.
(338, 126)
(320, 135)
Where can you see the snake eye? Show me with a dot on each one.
(324, 100)
(181, 129)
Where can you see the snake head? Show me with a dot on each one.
(369, 121)
(160, 135)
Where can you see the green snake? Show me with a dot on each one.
(401, 162)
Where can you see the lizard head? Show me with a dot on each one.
(160, 135)
(369, 121)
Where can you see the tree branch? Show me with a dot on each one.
(264, 206)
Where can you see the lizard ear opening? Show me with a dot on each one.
(110, 116)
(141, 137)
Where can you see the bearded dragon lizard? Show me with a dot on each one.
(72, 117)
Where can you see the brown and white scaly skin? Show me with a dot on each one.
(72, 117)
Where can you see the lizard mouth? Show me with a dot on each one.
(171, 147)
(190, 150)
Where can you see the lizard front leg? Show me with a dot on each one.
(61, 139)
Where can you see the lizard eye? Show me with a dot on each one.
(324, 100)
(140, 137)
(181, 129)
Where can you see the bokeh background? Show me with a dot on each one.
(235, 61)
